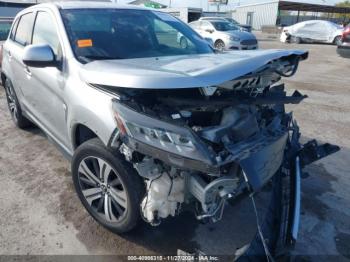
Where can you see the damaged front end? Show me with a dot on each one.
(201, 146)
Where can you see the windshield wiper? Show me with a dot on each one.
(89, 58)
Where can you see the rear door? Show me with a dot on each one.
(314, 30)
(13, 51)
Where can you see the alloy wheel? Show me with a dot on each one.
(338, 40)
(102, 188)
(220, 45)
(12, 102)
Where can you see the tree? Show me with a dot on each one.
(345, 3)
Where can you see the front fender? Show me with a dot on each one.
(94, 121)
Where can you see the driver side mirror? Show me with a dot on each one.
(209, 30)
(39, 56)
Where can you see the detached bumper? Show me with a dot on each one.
(296, 202)
(281, 222)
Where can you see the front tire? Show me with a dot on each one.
(14, 107)
(219, 45)
(295, 40)
(337, 40)
(108, 186)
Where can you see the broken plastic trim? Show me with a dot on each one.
(265, 149)
(295, 68)
(271, 98)
(297, 200)
(312, 152)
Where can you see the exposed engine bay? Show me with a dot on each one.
(202, 146)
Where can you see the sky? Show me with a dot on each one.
(231, 3)
(205, 6)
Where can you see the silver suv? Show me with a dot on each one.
(149, 126)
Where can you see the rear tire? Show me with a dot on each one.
(14, 107)
(108, 186)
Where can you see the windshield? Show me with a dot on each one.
(5, 27)
(223, 26)
(126, 33)
(231, 20)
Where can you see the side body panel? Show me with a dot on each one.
(56, 99)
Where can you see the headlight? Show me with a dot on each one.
(138, 127)
(234, 38)
(160, 137)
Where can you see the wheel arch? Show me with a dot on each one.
(3, 79)
(89, 119)
(335, 38)
(218, 40)
(82, 133)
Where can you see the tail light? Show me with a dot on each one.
(346, 32)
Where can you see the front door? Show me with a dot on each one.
(46, 85)
(206, 30)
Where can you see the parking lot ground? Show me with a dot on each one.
(41, 214)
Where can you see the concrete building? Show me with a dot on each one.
(280, 12)
(257, 15)
(9, 9)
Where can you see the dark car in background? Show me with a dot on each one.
(5, 26)
(344, 48)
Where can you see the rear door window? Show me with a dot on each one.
(24, 30)
(205, 25)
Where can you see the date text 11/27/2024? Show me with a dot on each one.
(174, 258)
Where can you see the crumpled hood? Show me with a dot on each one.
(180, 71)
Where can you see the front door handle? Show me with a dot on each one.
(27, 71)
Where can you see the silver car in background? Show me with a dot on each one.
(241, 27)
(225, 35)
